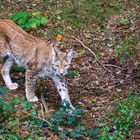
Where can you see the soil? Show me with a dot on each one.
(97, 88)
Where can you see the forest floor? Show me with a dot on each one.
(100, 83)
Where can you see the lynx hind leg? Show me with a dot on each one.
(6, 63)
(5, 72)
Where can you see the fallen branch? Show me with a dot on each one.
(85, 46)
(78, 40)
(110, 65)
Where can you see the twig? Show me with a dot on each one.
(91, 52)
(25, 116)
(37, 117)
(42, 110)
(44, 103)
(85, 46)
(110, 65)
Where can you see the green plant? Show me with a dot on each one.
(86, 12)
(18, 113)
(69, 118)
(29, 21)
(26, 105)
(126, 52)
(124, 116)
(73, 74)
(3, 90)
(55, 32)
(18, 69)
(124, 21)
(66, 122)
(10, 123)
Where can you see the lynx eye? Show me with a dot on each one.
(55, 66)
(66, 65)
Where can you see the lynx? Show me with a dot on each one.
(40, 60)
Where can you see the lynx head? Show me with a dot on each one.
(61, 61)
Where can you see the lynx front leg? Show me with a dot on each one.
(5, 71)
(62, 89)
(30, 86)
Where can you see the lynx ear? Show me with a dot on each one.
(70, 55)
(55, 51)
(53, 54)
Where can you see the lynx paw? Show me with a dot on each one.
(13, 86)
(33, 99)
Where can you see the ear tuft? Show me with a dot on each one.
(70, 55)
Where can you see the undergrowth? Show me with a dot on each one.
(19, 119)
(28, 21)
(128, 51)
(122, 120)
(71, 15)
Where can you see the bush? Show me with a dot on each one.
(29, 21)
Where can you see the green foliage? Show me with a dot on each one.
(26, 105)
(3, 90)
(6, 109)
(29, 21)
(59, 18)
(127, 52)
(11, 137)
(63, 134)
(83, 12)
(124, 116)
(65, 118)
(77, 132)
(66, 122)
(55, 32)
(18, 69)
(124, 21)
(72, 74)
(66, 115)
(86, 12)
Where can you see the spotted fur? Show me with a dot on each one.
(39, 59)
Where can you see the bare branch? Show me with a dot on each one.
(91, 52)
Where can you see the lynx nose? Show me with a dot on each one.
(61, 74)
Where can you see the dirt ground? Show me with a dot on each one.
(98, 86)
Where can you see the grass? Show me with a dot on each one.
(87, 12)
(128, 51)
(70, 15)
